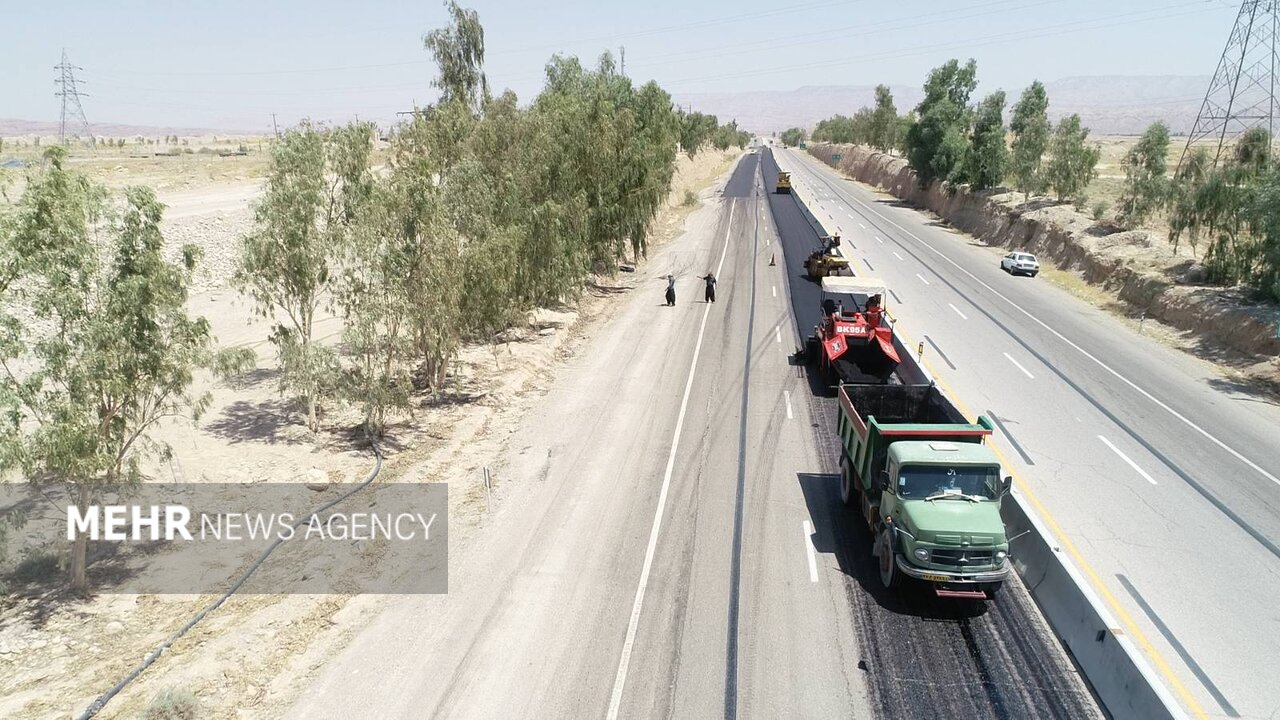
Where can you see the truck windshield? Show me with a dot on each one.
(922, 481)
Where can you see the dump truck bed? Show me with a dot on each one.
(874, 416)
(900, 404)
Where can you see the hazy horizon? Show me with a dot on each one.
(232, 68)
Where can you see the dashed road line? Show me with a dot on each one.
(1075, 346)
(962, 315)
(1126, 458)
(1019, 366)
(926, 282)
(895, 254)
(786, 394)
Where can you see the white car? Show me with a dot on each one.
(1017, 263)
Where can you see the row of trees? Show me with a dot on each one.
(484, 210)
(956, 142)
(1231, 206)
(947, 138)
(698, 130)
(880, 127)
(791, 137)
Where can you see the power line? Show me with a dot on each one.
(862, 29)
(871, 28)
(1016, 35)
(69, 91)
(695, 25)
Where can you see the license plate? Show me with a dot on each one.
(936, 578)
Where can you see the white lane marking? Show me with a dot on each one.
(777, 334)
(895, 254)
(926, 282)
(775, 291)
(628, 645)
(864, 227)
(879, 240)
(1019, 366)
(1125, 458)
(1159, 403)
(787, 395)
(808, 549)
(953, 307)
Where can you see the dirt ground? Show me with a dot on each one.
(57, 653)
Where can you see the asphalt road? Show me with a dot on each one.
(1163, 476)
(669, 540)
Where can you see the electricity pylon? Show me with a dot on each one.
(1242, 93)
(69, 91)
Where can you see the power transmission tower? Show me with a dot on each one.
(69, 91)
(1242, 93)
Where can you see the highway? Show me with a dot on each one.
(669, 540)
(1160, 476)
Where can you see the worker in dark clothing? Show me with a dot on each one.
(710, 279)
(671, 290)
(873, 310)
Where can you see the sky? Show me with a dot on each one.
(231, 64)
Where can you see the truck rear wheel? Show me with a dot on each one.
(846, 482)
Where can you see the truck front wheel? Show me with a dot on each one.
(846, 482)
(889, 575)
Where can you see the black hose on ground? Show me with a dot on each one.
(96, 706)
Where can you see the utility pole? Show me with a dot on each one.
(1242, 93)
(622, 52)
(275, 128)
(69, 91)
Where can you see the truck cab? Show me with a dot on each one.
(940, 507)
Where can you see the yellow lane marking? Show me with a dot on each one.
(1023, 487)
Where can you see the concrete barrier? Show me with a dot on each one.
(1121, 678)
(1118, 673)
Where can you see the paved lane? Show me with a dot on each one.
(1163, 479)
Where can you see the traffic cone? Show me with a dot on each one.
(771, 259)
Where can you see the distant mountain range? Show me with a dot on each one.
(12, 128)
(1108, 105)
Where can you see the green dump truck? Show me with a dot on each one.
(926, 485)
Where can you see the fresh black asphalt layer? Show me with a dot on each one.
(924, 657)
